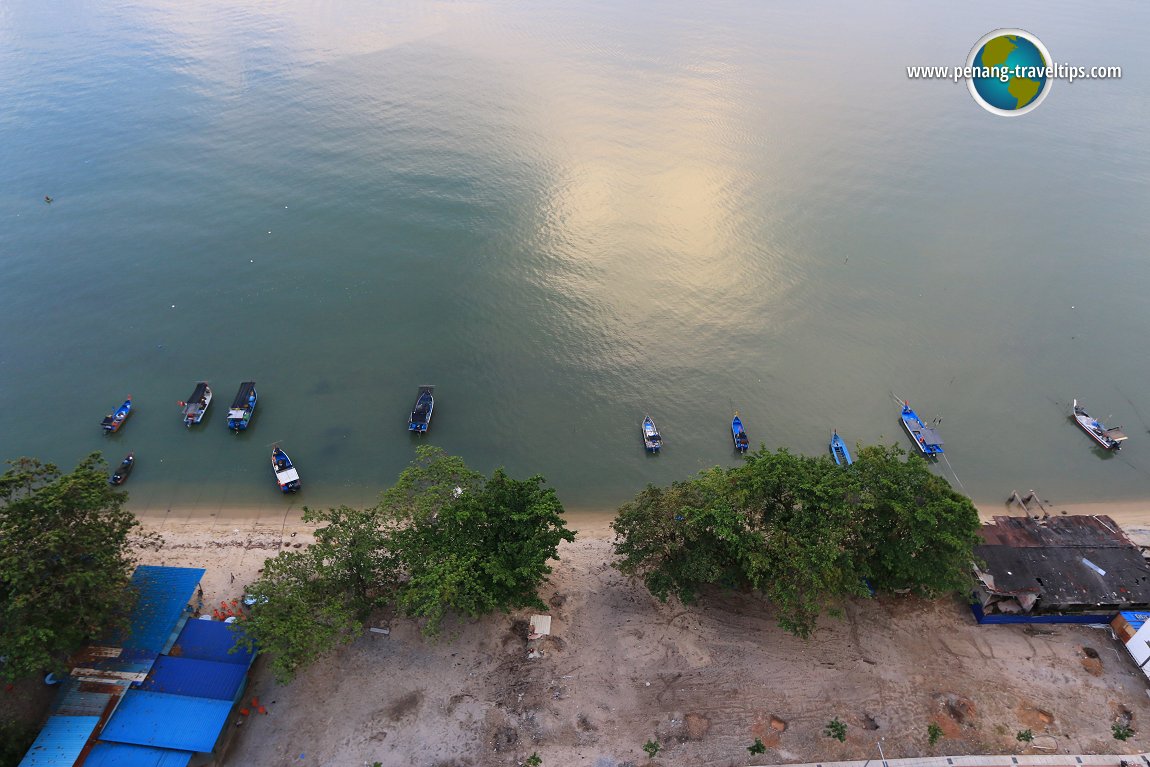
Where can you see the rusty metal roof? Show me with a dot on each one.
(1065, 560)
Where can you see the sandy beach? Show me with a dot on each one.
(705, 681)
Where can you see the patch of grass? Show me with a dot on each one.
(933, 732)
(651, 747)
(1025, 736)
(757, 747)
(1121, 731)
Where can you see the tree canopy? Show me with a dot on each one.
(443, 538)
(65, 562)
(801, 531)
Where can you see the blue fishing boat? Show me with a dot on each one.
(925, 438)
(839, 450)
(113, 421)
(123, 470)
(420, 420)
(652, 440)
(243, 406)
(738, 436)
(286, 475)
(1110, 439)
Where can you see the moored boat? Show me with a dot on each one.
(113, 421)
(243, 406)
(738, 436)
(197, 404)
(652, 440)
(120, 475)
(1110, 439)
(420, 419)
(286, 475)
(839, 450)
(925, 438)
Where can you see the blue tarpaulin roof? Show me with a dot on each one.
(60, 742)
(196, 678)
(210, 640)
(125, 755)
(162, 595)
(167, 721)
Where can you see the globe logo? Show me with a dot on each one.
(1010, 71)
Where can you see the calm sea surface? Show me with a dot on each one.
(565, 215)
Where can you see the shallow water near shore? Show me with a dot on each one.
(565, 216)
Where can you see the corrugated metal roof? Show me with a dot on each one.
(195, 678)
(113, 664)
(1135, 618)
(126, 755)
(60, 742)
(167, 721)
(77, 698)
(162, 595)
(210, 640)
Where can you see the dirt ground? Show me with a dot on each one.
(621, 668)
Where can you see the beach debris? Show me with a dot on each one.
(538, 627)
(378, 630)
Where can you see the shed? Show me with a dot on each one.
(162, 598)
(1059, 564)
(126, 755)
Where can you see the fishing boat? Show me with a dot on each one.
(925, 438)
(197, 404)
(113, 421)
(651, 438)
(420, 419)
(120, 475)
(740, 438)
(242, 407)
(839, 450)
(1110, 439)
(286, 474)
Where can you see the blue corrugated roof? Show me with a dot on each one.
(1135, 618)
(210, 640)
(195, 678)
(163, 593)
(167, 721)
(60, 742)
(126, 755)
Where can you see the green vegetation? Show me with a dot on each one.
(444, 538)
(933, 732)
(837, 730)
(15, 738)
(534, 760)
(65, 562)
(652, 747)
(1121, 731)
(1025, 736)
(801, 531)
(758, 747)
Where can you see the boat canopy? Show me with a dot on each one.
(287, 475)
(929, 435)
(237, 413)
(1115, 434)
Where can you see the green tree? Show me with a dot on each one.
(309, 602)
(442, 538)
(66, 558)
(467, 544)
(919, 533)
(801, 531)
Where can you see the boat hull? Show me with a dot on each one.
(120, 476)
(652, 440)
(738, 436)
(1107, 439)
(839, 451)
(285, 472)
(197, 405)
(420, 419)
(243, 407)
(113, 422)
